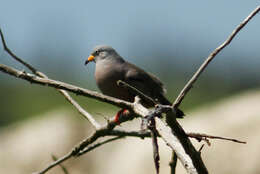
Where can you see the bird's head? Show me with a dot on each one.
(101, 52)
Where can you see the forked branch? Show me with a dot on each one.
(194, 78)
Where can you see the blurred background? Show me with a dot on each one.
(170, 39)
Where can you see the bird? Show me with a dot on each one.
(111, 67)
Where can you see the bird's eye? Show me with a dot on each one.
(98, 52)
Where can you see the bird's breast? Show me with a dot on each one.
(106, 78)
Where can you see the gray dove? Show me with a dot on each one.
(111, 67)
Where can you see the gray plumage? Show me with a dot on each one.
(111, 67)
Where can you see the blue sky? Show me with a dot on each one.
(55, 33)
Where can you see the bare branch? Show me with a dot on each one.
(189, 85)
(146, 134)
(61, 85)
(83, 112)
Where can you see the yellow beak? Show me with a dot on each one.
(90, 58)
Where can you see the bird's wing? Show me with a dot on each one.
(143, 81)
(148, 84)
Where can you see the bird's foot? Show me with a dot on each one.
(119, 115)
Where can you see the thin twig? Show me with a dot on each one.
(200, 136)
(14, 56)
(55, 163)
(135, 91)
(65, 171)
(146, 134)
(189, 85)
(82, 111)
(92, 147)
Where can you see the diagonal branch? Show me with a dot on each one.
(61, 85)
(82, 111)
(65, 171)
(189, 85)
(92, 147)
(201, 136)
(146, 134)
(135, 91)
(55, 163)
(14, 56)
